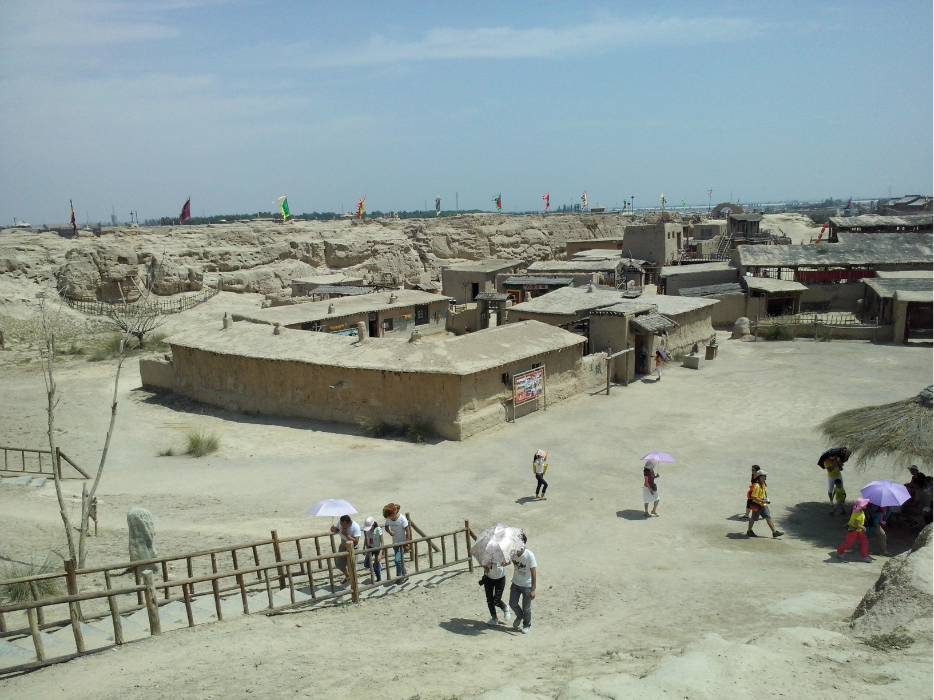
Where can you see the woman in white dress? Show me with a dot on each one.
(649, 487)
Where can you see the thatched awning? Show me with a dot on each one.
(900, 432)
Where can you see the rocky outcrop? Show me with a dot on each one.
(258, 256)
(902, 594)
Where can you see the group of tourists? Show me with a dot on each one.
(521, 591)
(396, 524)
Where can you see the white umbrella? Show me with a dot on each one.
(331, 507)
(497, 545)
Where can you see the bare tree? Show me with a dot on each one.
(47, 358)
(135, 321)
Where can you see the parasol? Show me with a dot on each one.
(659, 457)
(497, 545)
(885, 493)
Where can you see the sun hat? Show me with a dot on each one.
(369, 524)
(650, 464)
(859, 504)
(761, 473)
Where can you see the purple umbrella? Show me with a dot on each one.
(885, 493)
(659, 457)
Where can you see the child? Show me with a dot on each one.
(839, 498)
(752, 485)
(856, 531)
(539, 467)
(373, 536)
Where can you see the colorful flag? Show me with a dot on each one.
(584, 198)
(283, 207)
(849, 205)
(437, 206)
(74, 224)
(499, 201)
(822, 229)
(662, 198)
(547, 199)
(186, 211)
(683, 206)
(361, 206)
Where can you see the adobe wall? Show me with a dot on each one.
(840, 297)
(456, 406)
(675, 283)
(694, 327)
(457, 284)
(731, 307)
(613, 332)
(296, 389)
(488, 402)
(513, 316)
(577, 246)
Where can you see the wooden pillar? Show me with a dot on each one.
(352, 572)
(152, 604)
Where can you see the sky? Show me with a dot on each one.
(139, 104)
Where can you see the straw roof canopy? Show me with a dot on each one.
(900, 432)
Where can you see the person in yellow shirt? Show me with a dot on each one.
(839, 498)
(832, 461)
(760, 507)
(856, 530)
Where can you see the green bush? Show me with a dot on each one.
(419, 431)
(378, 428)
(888, 642)
(22, 592)
(201, 442)
(106, 348)
(167, 452)
(778, 333)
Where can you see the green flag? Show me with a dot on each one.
(285, 208)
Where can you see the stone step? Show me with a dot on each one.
(93, 637)
(14, 655)
(168, 621)
(230, 606)
(131, 630)
(52, 645)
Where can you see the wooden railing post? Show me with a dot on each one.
(278, 552)
(352, 572)
(34, 631)
(467, 539)
(152, 604)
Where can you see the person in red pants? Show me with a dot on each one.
(856, 530)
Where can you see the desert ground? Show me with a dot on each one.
(679, 605)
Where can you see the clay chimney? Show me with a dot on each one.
(330, 308)
(277, 330)
(362, 334)
(227, 322)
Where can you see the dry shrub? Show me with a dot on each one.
(22, 592)
(201, 442)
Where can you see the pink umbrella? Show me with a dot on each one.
(885, 493)
(659, 457)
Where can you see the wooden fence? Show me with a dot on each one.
(163, 306)
(15, 461)
(815, 318)
(315, 573)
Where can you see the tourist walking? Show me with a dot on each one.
(832, 461)
(659, 361)
(752, 483)
(349, 532)
(494, 583)
(524, 578)
(397, 525)
(839, 498)
(760, 507)
(856, 531)
(649, 487)
(539, 467)
(875, 529)
(373, 538)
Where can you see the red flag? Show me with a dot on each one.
(74, 225)
(186, 211)
(547, 199)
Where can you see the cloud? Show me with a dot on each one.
(445, 43)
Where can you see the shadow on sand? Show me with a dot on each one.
(631, 515)
(811, 522)
(526, 500)
(194, 409)
(471, 628)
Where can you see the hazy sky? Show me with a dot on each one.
(140, 103)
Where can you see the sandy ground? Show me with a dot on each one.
(618, 593)
(798, 227)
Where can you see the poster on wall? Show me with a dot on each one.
(528, 386)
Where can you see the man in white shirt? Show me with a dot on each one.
(349, 532)
(523, 585)
(397, 525)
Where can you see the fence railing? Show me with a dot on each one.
(19, 460)
(163, 306)
(816, 318)
(309, 579)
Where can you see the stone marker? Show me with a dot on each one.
(142, 534)
(740, 328)
(228, 323)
